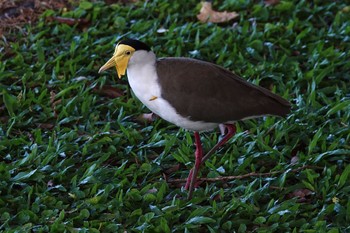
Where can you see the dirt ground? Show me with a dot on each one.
(16, 13)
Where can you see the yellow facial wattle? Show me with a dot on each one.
(120, 59)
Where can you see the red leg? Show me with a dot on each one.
(192, 177)
(188, 181)
(231, 130)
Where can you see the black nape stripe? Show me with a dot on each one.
(136, 44)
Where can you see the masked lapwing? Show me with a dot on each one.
(192, 94)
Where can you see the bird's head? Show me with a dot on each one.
(122, 54)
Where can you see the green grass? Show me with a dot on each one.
(75, 160)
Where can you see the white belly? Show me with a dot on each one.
(143, 82)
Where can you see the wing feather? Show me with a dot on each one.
(204, 91)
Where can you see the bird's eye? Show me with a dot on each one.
(127, 52)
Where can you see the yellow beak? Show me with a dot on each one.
(120, 59)
(110, 63)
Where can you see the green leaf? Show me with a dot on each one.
(24, 175)
(343, 105)
(4, 171)
(242, 228)
(84, 213)
(10, 103)
(260, 220)
(333, 230)
(323, 73)
(199, 220)
(169, 209)
(146, 167)
(163, 226)
(284, 6)
(85, 5)
(331, 153)
(344, 177)
(314, 140)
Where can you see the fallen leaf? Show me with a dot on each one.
(207, 14)
(70, 21)
(45, 125)
(271, 2)
(303, 195)
(109, 91)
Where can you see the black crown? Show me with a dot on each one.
(136, 44)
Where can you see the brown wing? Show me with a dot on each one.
(203, 91)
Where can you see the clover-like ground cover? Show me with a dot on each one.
(76, 158)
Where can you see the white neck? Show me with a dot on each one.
(142, 75)
(141, 58)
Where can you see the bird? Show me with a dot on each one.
(193, 94)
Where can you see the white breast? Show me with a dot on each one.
(142, 77)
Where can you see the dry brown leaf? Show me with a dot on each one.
(207, 14)
(271, 2)
(70, 21)
(45, 125)
(109, 91)
(303, 195)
